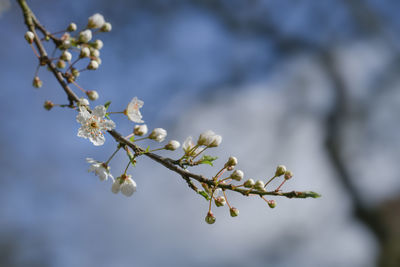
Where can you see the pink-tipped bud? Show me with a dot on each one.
(210, 218)
(288, 175)
(272, 203)
(234, 212)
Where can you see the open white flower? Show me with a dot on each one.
(132, 110)
(100, 169)
(209, 139)
(94, 124)
(188, 146)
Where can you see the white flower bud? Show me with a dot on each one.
(249, 183)
(220, 201)
(98, 60)
(94, 52)
(98, 44)
(85, 36)
(29, 36)
(234, 212)
(93, 65)
(61, 64)
(237, 175)
(37, 83)
(140, 130)
(128, 187)
(85, 52)
(259, 185)
(172, 145)
(232, 161)
(106, 27)
(66, 56)
(206, 138)
(92, 95)
(75, 72)
(72, 27)
(96, 21)
(115, 186)
(158, 134)
(280, 170)
(210, 218)
(288, 175)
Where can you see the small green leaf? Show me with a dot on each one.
(147, 149)
(107, 104)
(207, 160)
(132, 139)
(108, 117)
(205, 195)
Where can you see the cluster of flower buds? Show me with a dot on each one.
(74, 46)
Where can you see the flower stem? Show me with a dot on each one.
(113, 154)
(270, 180)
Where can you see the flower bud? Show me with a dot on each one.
(216, 141)
(280, 170)
(66, 56)
(272, 203)
(98, 60)
(232, 161)
(92, 95)
(210, 218)
(237, 175)
(158, 134)
(249, 183)
(93, 65)
(234, 212)
(128, 187)
(220, 201)
(85, 52)
(172, 145)
(48, 105)
(75, 72)
(106, 27)
(140, 130)
(96, 21)
(94, 52)
(61, 64)
(98, 44)
(85, 36)
(29, 36)
(259, 185)
(37, 83)
(288, 175)
(71, 27)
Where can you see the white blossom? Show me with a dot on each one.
(66, 56)
(140, 130)
(133, 110)
(85, 52)
(94, 124)
(188, 145)
(116, 186)
(158, 134)
(98, 44)
(96, 21)
(172, 145)
(100, 169)
(85, 36)
(237, 175)
(83, 102)
(93, 65)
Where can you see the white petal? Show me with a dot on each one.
(97, 140)
(99, 111)
(108, 125)
(115, 187)
(83, 133)
(128, 187)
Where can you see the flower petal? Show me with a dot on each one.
(99, 111)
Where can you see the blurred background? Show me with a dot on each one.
(309, 84)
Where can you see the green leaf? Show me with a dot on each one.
(107, 104)
(207, 160)
(132, 139)
(108, 117)
(147, 149)
(204, 194)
